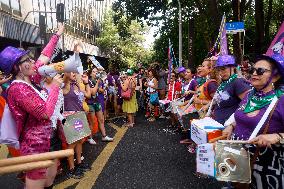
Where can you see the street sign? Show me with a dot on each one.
(235, 27)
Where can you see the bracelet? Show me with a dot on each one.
(280, 136)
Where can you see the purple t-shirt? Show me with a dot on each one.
(246, 125)
(110, 80)
(100, 97)
(192, 87)
(227, 101)
(212, 87)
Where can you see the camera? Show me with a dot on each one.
(101, 75)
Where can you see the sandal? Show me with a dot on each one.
(125, 124)
(151, 119)
(128, 125)
(185, 141)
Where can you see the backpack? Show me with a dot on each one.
(8, 129)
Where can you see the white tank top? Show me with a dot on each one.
(151, 89)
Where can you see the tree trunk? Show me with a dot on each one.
(236, 38)
(259, 29)
(214, 17)
(190, 43)
(267, 23)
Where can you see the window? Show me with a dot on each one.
(11, 6)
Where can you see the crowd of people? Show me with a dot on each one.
(222, 90)
(218, 89)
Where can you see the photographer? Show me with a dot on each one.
(96, 104)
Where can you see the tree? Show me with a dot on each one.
(262, 19)
(123, 42)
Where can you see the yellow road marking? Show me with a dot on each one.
(3, 151)
(90, 177)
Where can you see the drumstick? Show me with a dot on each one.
(26, 166)
(217, 138)
(36, 157)
(235, 141)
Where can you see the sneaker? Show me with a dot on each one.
(107, 139)
(84, 167)
(82, 158)
(162, 116)
(168, 117)
(75, 173)
(92, 141)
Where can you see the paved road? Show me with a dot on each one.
(140, 157)
(147, 157)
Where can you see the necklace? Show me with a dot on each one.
(225, 83)
(201, 81)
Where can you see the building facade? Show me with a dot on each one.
(19, 21)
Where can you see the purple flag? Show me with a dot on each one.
(170, 64)
(223, 37)
(220, 45)
(277, 45)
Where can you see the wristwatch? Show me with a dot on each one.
(281, 140)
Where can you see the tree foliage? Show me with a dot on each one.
(122, 40)
(262, 19)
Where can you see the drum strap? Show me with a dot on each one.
(274, 104)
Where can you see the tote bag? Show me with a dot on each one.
(154, 98)
(8, 129)
(76, 126)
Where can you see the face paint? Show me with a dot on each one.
(27, 67)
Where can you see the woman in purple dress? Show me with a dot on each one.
(267, 76)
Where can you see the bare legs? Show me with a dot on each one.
(40, 184)
(115, 106)
(77, 146)
(162, 93)
(101, 121)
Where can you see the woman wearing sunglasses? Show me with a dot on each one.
(31, 111)
(231, 90)
(267, 76)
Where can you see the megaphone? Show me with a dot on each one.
(72, 64)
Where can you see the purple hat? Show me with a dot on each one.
(9, 57)
(225, 60)
(181, 69)
(277, 59)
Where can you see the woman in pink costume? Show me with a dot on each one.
(31, 112)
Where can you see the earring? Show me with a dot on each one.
(273, 86)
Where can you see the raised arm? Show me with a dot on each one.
(46, 53)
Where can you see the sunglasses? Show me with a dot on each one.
(26, 60)
(259, 71)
